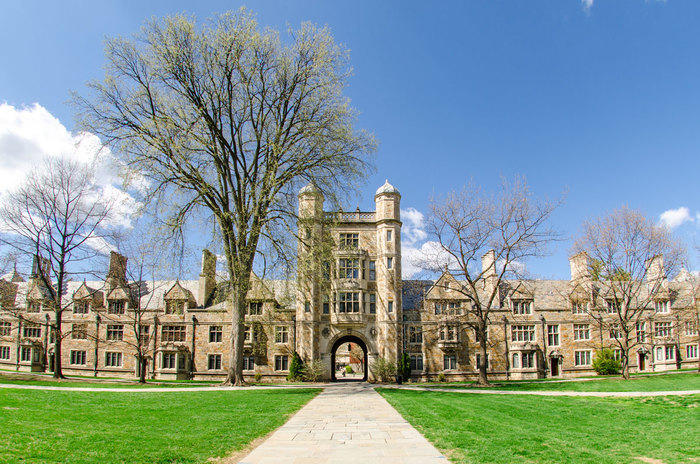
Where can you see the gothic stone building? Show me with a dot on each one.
(355, 295)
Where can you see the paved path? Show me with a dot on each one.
(346, 423)
(157, 389)
(549, 392)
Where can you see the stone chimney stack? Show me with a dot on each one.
(40, 266)
(207, 278)
(488, 268)
(655, 270)
(116, 274)
(579, 266)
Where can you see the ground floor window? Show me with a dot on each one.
(582, 358)
(528, 359)
(478, 361)
(113, 359)
(168, 361)
(78, 357)
(4, 352)
(416, 362)
(449, 362)
(691, 351)
(248, 363)
(670, 353)
(281, 362)
(214, 362)
(25, 354)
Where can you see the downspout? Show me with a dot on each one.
(19, 341)
(46, 343)
(97, 343)
(194, 332)
(505, 338)
(544, 345)
(155, 343)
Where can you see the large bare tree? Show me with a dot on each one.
(229, 119)
(631, 259)
(58, 216)
(505, 228)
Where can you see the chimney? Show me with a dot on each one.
(207, 278)
(655, 270)
(116, 275)
(40, 266)
(579, 266)
(488, 268)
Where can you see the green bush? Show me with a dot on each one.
(604, 362)
(441, 377)
(348, 369)
(296, 368)
(383, 370)
(313, 371)
(405, 367)
(258, 377)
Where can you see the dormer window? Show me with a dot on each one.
(81, 306)
(522, 307)
(579, 307)
(255, 308)
(116, 307)
(33, 306)
(662, 306)
(174, 307)
(349, 240)
(612, 306)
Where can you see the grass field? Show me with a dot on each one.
(665, 382)
(472, 428)
(158, 428)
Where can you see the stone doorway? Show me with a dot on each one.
(349, 359)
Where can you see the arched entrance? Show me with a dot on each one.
(349, 340)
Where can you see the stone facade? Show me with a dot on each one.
(352, 293)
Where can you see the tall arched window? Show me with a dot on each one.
(516, 360)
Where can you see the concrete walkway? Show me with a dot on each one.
(346, 423)
(157, 389)
(600, 394)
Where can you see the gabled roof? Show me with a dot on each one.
(84, 291)
(178, 292)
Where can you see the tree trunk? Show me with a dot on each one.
(235, 370)
(483, 379)
(58, 334)
(142, 368)
(625, 359)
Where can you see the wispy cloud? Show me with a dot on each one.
(587, 4)
(673, 218)
(30, 134)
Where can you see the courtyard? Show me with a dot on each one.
(189, 422)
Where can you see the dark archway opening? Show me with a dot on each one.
(348, 340)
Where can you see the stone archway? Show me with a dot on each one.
(349, 339)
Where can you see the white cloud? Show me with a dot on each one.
(673, 218)
(29, 134)
(413, 226)
(415, 258)
(587, 4)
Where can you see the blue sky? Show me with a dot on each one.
(598, 98)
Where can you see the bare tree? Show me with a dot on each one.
(631, 260)
(56, 215)
(228, 119)
(468, 228)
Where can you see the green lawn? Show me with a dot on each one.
(665, 382)
(105, 427)
(472, 428)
